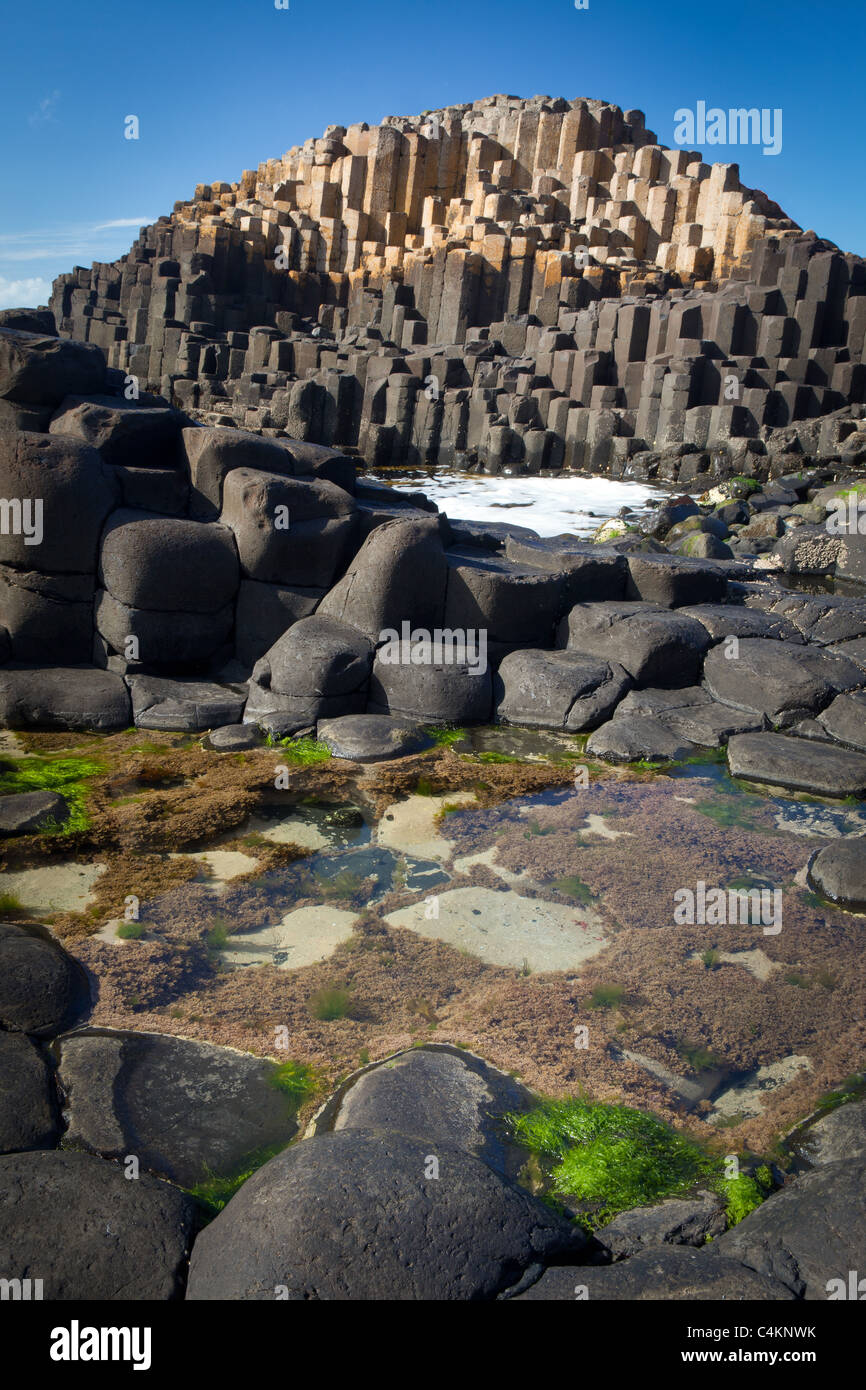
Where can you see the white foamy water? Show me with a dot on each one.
(550, 506)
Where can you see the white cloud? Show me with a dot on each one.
(23, 294)
(125, 222)
(44, 112)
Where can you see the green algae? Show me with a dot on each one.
(68, 777)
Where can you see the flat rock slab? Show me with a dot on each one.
(505, 928)
(798, 763)
(78, 1224)
(813, 1231)
(630, 738)
(234, 738)
(372, 738)
(838, 872)
(724, 620)
(434, 1094)
(28, 1112)
(42, 989)
(845, 719)
(410, 826)
(674, 581)
(839, 1135)
(303, 937)
(782, 681)
(187, 1109)
(27, 812)
(186, 706)
(358, 1215)
(667, 1273)
(557, 690)
(63, 697)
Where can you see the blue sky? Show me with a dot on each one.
(220, 86)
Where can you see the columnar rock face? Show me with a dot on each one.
(511, 284)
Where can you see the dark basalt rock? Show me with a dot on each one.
(798, 763)
(26, 812)
(557, 690)
(353, 1216)
(782, 681)
(668, 1272)
(838, 872)
(78, 1224)
(370, 738)
(42, 989)
(63, 698)
(28, 1109)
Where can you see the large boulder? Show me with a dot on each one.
(28, 1110)
(289, 530)
(78, 1224)
(809, 1234)
(210, 453)
(413, 680)
(397, 576)
(629, 738)
(672, 581)
(654, 645)
(838, 872)
(63, 492)
(318, 669)
(265, 611)
(557, 690)
(781, 681)
(135, 434)
(188, 1110)
(40, 370)
(435, 1095)
(514, 604)
(801, 764)
(49, 617)
(669, 1272)
(365, 1215)
(26, 812)
(63, 697)
(167, 563)
(164, 639)
(42, 989)
(677, 1221)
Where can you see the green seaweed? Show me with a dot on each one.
(68, 777)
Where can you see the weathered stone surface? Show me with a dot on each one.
(233, 738)
(434, 1095)
(845, 719)
(557, 690)
(352, 1216)
(839, 1135)
(512, 603)
(308, 543)
(28, 1111)
(654, 645)
(436, 692)
(673, 582)
(629, 738)
(668, 1272)
(398, 575)
(782, 681)
(184, 705)
(798, 763)
(317, 656)
(838, 872)
(167, 563)
(42, 989)
(370, 738)
(40, 370)
(591, 572)
(119, 1240)
(810, 1233)
(64, 482)
(678, 1221)
(131, 433)
(63, 698)
(265, 611)
(212, 453)
(26, 812)
(723, 620)
(49, 617)
(164, 639)
(187, 1109)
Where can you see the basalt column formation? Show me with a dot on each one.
(510, 284)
